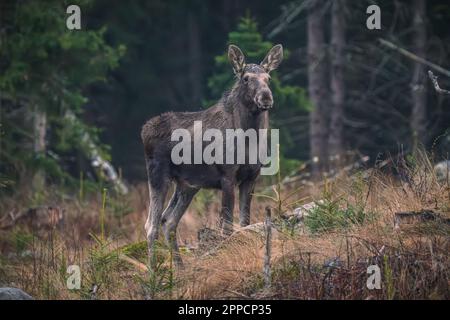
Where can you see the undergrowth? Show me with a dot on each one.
(349, 228)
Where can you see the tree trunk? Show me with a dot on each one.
(195, 60)
(337, 81)
(39, 145)
(419, 80)
(317, 87)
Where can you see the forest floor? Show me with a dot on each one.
(326, 256)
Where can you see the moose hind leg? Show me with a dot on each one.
(183, 198)
(158, 185)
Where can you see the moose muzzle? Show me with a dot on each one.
(264, 100)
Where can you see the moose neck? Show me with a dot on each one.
(245, 114)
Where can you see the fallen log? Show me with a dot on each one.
(36, 218)
(434, 80)
(103, 167)
(424, 216)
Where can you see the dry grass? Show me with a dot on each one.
(414, 262)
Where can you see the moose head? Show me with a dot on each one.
(253, 79)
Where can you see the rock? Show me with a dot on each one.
(301, 212)
(14, 294)
(333, 263)
(442, 171)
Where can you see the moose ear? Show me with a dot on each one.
(273, 58)
(236, 58)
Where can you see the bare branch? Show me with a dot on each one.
(287, 17)
(414, 57)
(436, 84)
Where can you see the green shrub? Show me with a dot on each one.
(331, 214)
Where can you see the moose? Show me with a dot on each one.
(244, 106)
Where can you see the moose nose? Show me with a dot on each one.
(265, 100)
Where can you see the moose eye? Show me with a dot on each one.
(245, 79)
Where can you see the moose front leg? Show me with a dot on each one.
(245, 198)
(226, 214)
